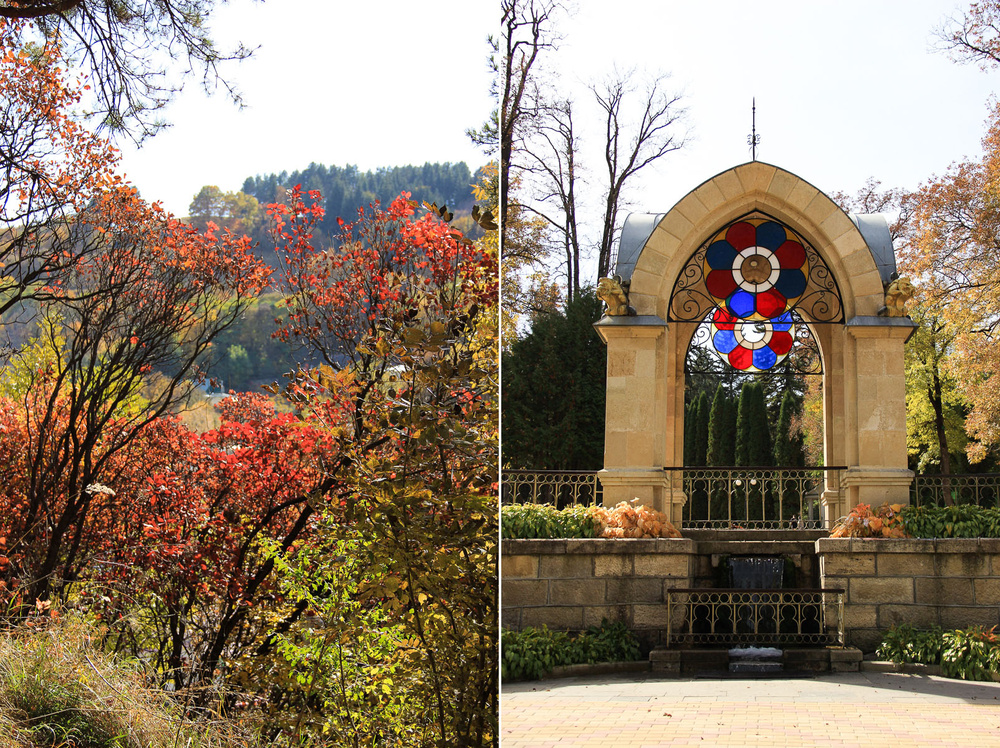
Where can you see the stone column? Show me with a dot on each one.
(876, 449)
(635, 416)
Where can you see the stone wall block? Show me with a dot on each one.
(522, 592)
(987, 591)
(576, 592)
(858, 616)
(921, 616)
(649, 616)
(612, 566)
(836, 583)
(593, 616)
(962, 565)
(510, 618)
(962, 617)
(944, 591)
(875, 590)
(905, 564)
(629, 590)
(565, 567)
(867, 640)
(662, 565)
(567, 618)
(834, 564)
(520, 567)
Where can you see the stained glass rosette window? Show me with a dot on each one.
(756, 269)
(751, 345)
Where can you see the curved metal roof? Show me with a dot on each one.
(875, 231)
(640, 226)
(635, 233)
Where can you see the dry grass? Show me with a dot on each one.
(57, 691)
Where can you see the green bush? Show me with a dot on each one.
(524, 521)
(903, 644)
(531, 653)
(958, 521)
(970, 654)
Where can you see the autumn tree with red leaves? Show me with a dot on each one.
(403, 316)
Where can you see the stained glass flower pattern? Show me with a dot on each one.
(756, 269)
(751, 345)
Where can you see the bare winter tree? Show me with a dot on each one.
(630, 148)
(872, 199)
(551, 158)
(527, 32)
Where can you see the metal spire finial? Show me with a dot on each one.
(753, 139)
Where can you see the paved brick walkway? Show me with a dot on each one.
(852, 709)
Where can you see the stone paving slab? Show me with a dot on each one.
(847, 709)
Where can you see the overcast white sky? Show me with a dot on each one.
(375, 84)
(845, 90)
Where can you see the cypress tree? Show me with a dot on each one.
(690, 428)
(753, 437)
(702, 415)
(721, 430)
(787, 446)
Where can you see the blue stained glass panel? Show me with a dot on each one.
(771, 235)
(720, 255)
(724, 341)
(742, 303)
(764, 358)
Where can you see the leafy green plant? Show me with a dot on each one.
(958, 521)
(896, 521)
(904, 644)
(531, 653)
(525, 521)
(971, 654)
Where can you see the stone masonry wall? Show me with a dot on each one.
(569, 585)
(950, 583)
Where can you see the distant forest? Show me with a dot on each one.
(347, 188)
(247, 356)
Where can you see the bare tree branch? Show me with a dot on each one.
(652, 137)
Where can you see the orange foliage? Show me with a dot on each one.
(626, 520)
(863, 522)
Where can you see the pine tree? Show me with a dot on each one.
(554, 392)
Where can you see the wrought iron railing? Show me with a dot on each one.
(560, 488)
(982, 489)
(754, 497)
(755, 617)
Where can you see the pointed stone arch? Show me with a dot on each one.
(863, 381)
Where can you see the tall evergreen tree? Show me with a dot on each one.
(788, 447)
(721, 430)
(753, 436)
(554, 391)
(702, 413)
(690, 429)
